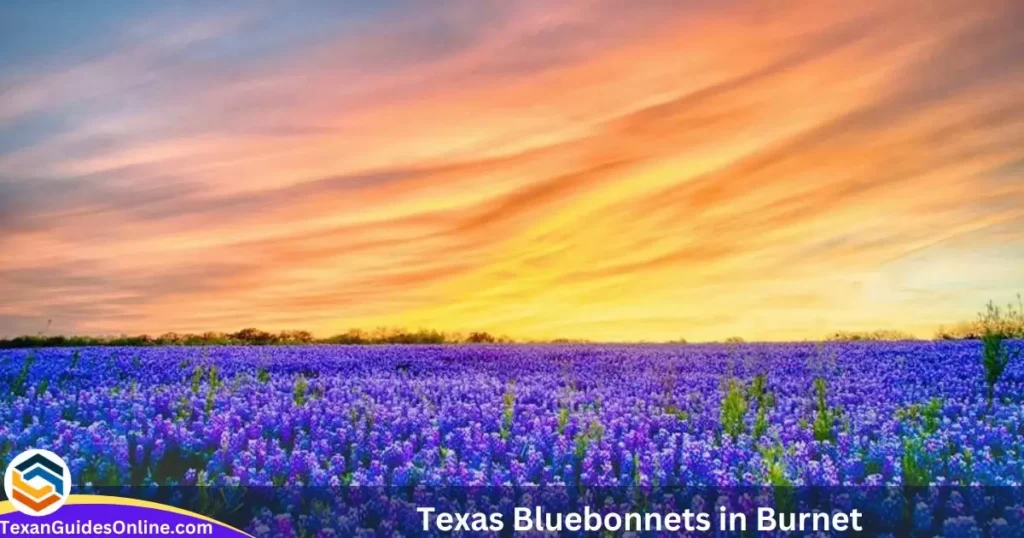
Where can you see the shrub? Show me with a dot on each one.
(759, 395)
(18, 386)
(734, 410)
(825, 417)
(299, 391)
(996, 326)
(995, 358)
(1008, 322)
(508, 409)
(584, 439)
(926, 418)
(932, 416)
(197, 377)
(914, 464)
(563, 419)
(772, 458)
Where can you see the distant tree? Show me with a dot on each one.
(170, 338)
(295, 337)
(350, 337)
(734, 340)
(881, 335)
(255, 337)
(480, 338)
(216, 338)
(380, 335)
(424, 336)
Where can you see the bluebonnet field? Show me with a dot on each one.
(562, 417)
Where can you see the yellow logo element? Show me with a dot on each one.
(37, 482)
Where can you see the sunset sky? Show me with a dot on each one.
(610, 170)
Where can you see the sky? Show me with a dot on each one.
(608, 170)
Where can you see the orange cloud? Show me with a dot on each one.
(594, 170)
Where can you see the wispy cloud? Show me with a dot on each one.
(593, 169)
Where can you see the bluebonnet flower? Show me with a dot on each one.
(444, 423)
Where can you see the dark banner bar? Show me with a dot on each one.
(693, 511)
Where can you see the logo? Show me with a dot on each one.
(37, 482)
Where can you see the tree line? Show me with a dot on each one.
(257, 337)
(1006, 322)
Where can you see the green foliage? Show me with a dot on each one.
(922, 421)
(757, 389)
(42, 387)
(197, 377)
(932, 416)
(215, 381)
(299, 390)
(184, 411)
(824, 417)
(211, 396)
(508, 409)
(760, 423)
(676, 412)
(734, 410)
(211, 389)
(777, 476)
(764, 400)
(914, 463)
(737, 401)
(19, 385)
(263, 375)
(593, 433)
(995, 358)
(996, 326)
(926, 418)
(910, 414)
(563, 419)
